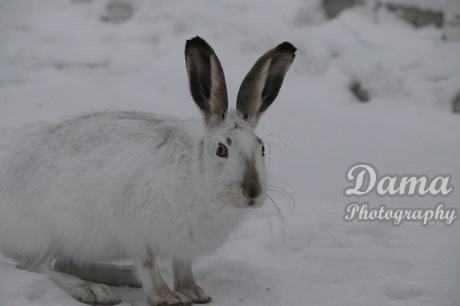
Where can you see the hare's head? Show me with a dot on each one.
(230, 155)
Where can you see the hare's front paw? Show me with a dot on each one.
(167, 297)
(195, 294)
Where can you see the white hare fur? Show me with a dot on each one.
(76, 205)
(128, 185)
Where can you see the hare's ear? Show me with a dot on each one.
(207, 80)
(263, 82)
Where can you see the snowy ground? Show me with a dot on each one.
(58, 58)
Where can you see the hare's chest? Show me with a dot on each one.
(209, 233)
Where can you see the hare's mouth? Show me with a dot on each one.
(254, 200)
(245, 202)
(256, 203)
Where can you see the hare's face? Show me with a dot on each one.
(233, 164)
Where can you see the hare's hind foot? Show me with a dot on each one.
(92, 293)
(83, 291)
(103, 273)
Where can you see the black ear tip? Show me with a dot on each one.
(287, 47)
(196, 42)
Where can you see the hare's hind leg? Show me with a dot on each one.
(103, 273)
(85, 292)
(185, 283)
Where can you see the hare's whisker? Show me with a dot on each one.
(274, 209)
(222, 207)
(284, 193)
(282, 146)
(218, 197)
(226, 185)
(269, 143)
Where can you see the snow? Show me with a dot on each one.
(58, 58)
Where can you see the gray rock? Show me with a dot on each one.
(360, 93)
(456, 103)
(117, 11)
(333, 7)
(416, 16)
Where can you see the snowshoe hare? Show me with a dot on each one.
(128, 185)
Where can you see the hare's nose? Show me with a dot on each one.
(251, 192)
(251, 187)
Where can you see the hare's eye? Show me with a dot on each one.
(263, 150)
(222, 150)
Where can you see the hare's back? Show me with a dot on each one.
(101, 134)
(117, 130)
(92, 148)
